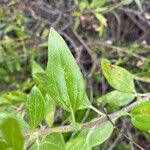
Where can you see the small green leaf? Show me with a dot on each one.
(119, 78)
(12, 133)
(36, 68)
(50, 112)
(35, 107)
(89, 138)
(126, 2)
(140, 116)
(53, 141)
(64, 80)
(98, 3)
(117, 98)
(13, 97)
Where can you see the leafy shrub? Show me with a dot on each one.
(62, 84)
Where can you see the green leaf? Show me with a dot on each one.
(36, 68)
(3, 145)
(35, 107)
(12, 133)
(85, 103)
(50, 112)
(53, 141)
(13, 97)
(65, 81)
(140, 116)
(98, 3)
(22, 123)
(117, 98)
(89, 138)
(118, 77)
(126, 2)
(77, 143)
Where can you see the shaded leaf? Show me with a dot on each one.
(117, 98)
(12, 133)
(119, 78)
(138, 3)
(35, 107)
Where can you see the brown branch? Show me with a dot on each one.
(88, 125)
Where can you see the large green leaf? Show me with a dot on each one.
(54, 141)
(119, 78)
(140, 116)
(89, 138)
(117, 98)
(12, 133)
(35, 107)
(64, 79)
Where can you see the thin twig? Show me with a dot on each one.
(88, 125)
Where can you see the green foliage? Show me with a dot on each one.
(12, 133)
(140, 116)
(118, 77)
(62, 83)
(117, 98)
(35, 107)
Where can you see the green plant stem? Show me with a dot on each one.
(143, 94)
(73, 117)
(93, 123)
(96, 110)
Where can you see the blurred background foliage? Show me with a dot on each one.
(115, 29)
